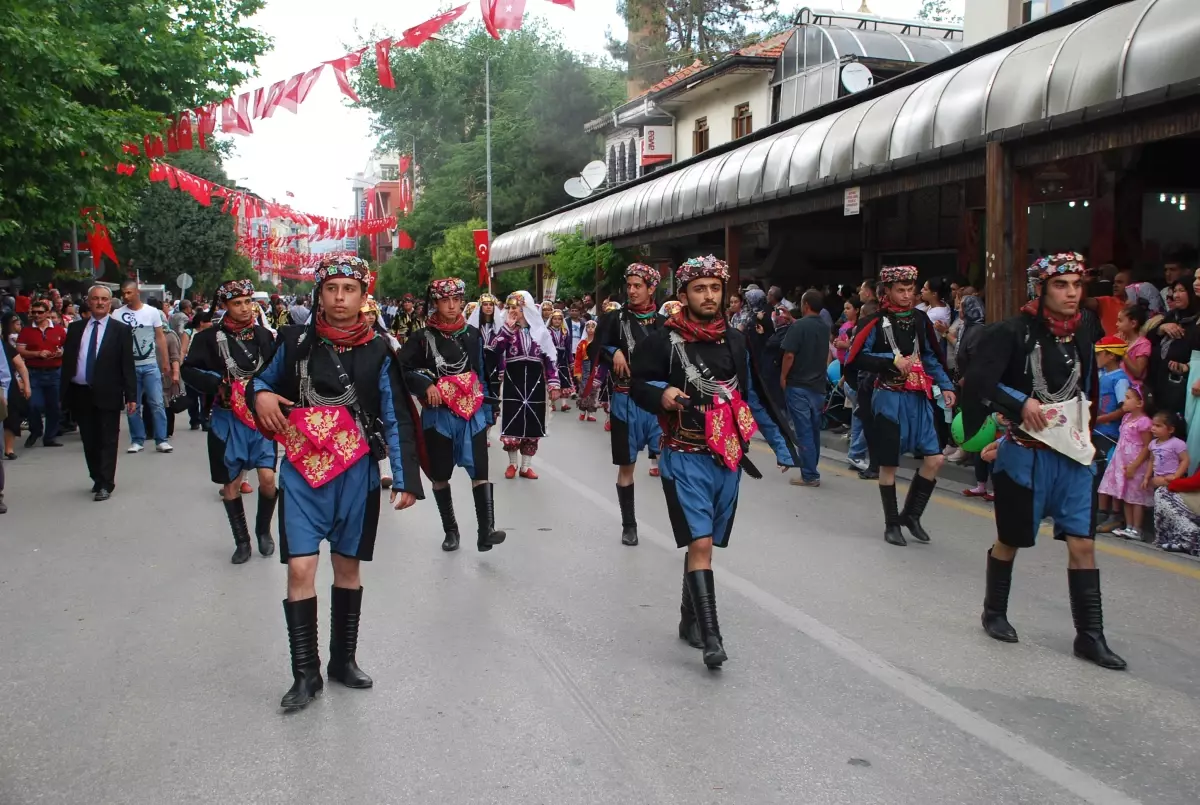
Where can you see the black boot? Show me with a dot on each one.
(236, 513)
(891, 516)
(689, 630)
(628, 519)
(704, 599)
(345, 606)
(445, 504)
(485, 517)
(919, 492)
(262, 523)
(1088, 614)
(306, 662)
(995, 600)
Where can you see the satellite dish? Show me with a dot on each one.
(856, 77)
(591, 177)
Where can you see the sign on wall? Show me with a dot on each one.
(658, 144)
(851, 201)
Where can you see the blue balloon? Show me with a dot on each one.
(834, 372)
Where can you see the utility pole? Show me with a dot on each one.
(487, 103)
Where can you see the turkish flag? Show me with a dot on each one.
(502, 15)
(483, 252)
(419, 34)
(184, 131)
(382, 48)
(404, 240)
(340, 66)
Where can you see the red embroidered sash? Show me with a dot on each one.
(917, 379)
(462, 393)
(726, 426)
(322, 442)
(237, 402)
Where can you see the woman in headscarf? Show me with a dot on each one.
(967, 330)
(483, 318)
(1173, 336)
(529, 368)
(589, 384)
(562, 344)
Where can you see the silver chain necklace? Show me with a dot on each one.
(1068, 390)
(231, 366)
(722, 389)
(440, 363)
(309, 397)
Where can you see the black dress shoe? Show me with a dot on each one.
(102, 495)
(10, 456)
(31, 441)
(52, 443)
(95, 488)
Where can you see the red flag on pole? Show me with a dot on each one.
(404, 241)
(483, 252)
(502, 15)
(384, 67)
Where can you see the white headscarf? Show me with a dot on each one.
(537, 328)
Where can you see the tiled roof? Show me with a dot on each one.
(770, 48)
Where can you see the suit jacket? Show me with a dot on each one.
(113, 380)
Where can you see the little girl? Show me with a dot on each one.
(589, 396)
(1168, 454)
(1125, 479)
(1136, 362)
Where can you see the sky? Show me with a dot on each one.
(314, 153)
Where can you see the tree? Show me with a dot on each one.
(575, 260)
(542, 95)
(78, 79)
(456, 256)
(938, 11)
(170, 233)
(694, 29)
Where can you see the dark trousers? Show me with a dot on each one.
(99, 431)
(43, 402)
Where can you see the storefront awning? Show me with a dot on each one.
(1122, 51)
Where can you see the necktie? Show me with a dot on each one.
(89, 366)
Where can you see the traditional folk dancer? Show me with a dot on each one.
(899, 346)
(561, 335)
(370, 311)
(697, 376)
(590, 377)
(220, 363)
(408, 320)
(1038, 370)
(443, 365)
(351, 406)
(633, 429)
(483, 319)
(527, 365)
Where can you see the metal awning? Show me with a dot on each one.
(1122, 51)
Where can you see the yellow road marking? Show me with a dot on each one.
(1137, 556)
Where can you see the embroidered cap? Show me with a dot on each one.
(671, 307)
(234, 289)
(334, 267)
(1057, 265)
(648, 275)
(699, 267)
(898, 274)
(609, 307)
(448, 288)
(488, 299)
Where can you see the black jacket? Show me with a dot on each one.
(113, 380)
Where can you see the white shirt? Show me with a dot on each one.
(143, 321)
(81, 364)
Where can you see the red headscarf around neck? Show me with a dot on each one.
(642, 310)
(1058, 326)
(355, 335)
(453, 328)
(694, 331)
(237, 328)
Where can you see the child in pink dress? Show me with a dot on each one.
(1128, 473)
(1136, 361)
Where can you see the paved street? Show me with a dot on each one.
(139, 666)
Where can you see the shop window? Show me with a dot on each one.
(700, 136)
(742, 120)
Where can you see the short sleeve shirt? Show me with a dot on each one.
(808, 340)
(143, 321)
(1167, 455)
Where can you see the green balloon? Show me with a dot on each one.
(981, 439)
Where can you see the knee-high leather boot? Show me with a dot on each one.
(919, 492)
(891, 516)
(262, 523)
(445, 504)
(1088, 614)
(704, 600)
(629, 534)
(995, 600)
(236, 513)
(345, 609)
(306, 661)
(689, 630)
(485, 518)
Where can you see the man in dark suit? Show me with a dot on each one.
(98, 381)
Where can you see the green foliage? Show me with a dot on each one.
(170, 233)
(542, 95)
(364, 247)
(575, 261)
(78, 78)
(238, 267)
(456, 256)
(939, 11)
(694, 29)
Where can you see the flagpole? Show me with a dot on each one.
(487, 81)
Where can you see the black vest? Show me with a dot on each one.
(363, 365)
